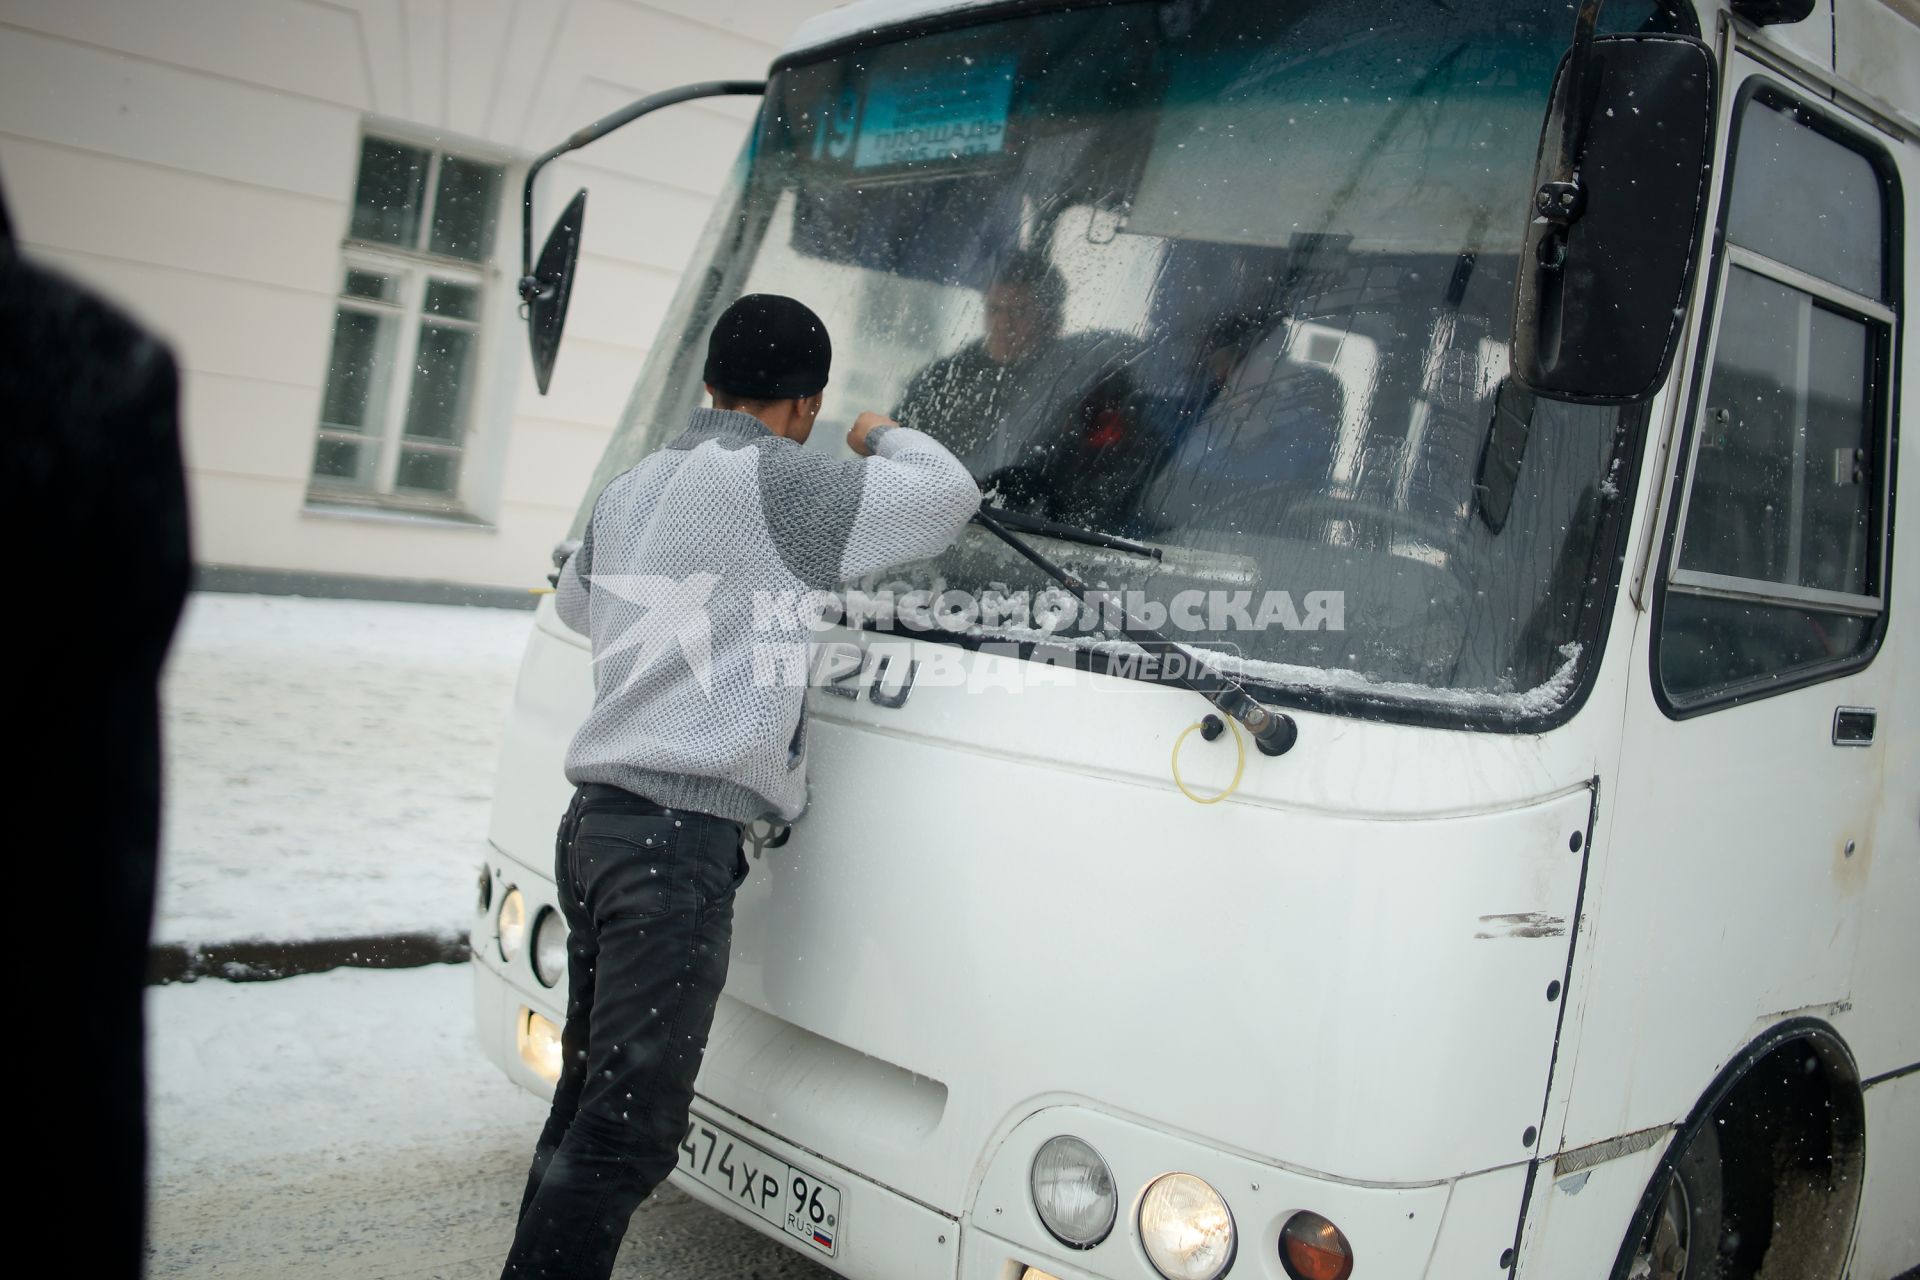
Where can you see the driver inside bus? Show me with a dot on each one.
(1021, 404)
(970, 401)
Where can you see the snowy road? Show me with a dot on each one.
(345, 1124)
(329, 766)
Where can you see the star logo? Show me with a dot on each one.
(673, 613)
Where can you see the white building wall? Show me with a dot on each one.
(196, 160)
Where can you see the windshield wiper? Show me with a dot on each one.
(1068, 532)
(1274, 732)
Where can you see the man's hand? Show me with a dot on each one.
(866, 422)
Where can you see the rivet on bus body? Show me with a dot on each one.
(1850, 848)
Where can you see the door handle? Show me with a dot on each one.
(1853, 726)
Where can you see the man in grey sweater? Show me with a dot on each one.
(697, 727)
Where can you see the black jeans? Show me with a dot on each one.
(648, 897)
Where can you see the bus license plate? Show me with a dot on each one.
(793, 1200)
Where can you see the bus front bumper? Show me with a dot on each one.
(1449, 1228)
(1446, 1229)
(877, 1234)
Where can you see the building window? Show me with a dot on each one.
(406, 330)
(1779, 571)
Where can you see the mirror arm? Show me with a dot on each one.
(529, 286)
(1562, 200)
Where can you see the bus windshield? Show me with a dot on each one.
(1232, 279)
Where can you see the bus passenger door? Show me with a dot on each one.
(1744, 843)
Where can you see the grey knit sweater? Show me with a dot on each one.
(678, 582)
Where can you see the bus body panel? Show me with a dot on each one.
(1369, 973)
(1577, 1217)
(1883, 1026)
(1888, 1240)
(1374, 967)
(1874, 45)
(1798, 856)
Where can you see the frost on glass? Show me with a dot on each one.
(1237, 285)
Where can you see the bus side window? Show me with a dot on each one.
(1779, 569)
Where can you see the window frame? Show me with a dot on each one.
(1882, 318)
(413, 268)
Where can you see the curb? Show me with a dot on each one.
(259, 961)
(240, 580)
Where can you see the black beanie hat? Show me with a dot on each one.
(766, 347)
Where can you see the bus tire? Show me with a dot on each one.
(1683, 1239)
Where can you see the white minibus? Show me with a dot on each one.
(1501, 401)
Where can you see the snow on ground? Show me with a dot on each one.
(346, 1124)
(315, 1068)
(329, 765)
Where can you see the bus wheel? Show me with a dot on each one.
(1683, 1240)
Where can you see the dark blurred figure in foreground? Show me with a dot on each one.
(93, 508)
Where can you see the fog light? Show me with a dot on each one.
(1311, 1248)
(539, 1045)
(550, 947)
(1073, 1191)
(512, 924)
(1186, 1228)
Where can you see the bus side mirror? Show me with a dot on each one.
(546, 289)
(546, 286)
(1609, 255)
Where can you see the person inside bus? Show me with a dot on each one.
(697, 727)
(1020, 404)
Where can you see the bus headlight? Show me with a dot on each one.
(1186, 1228)
(550, 947)
(539, 1044)
(512, 924)
(1073, 1192)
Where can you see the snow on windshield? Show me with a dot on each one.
(1237, 286)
